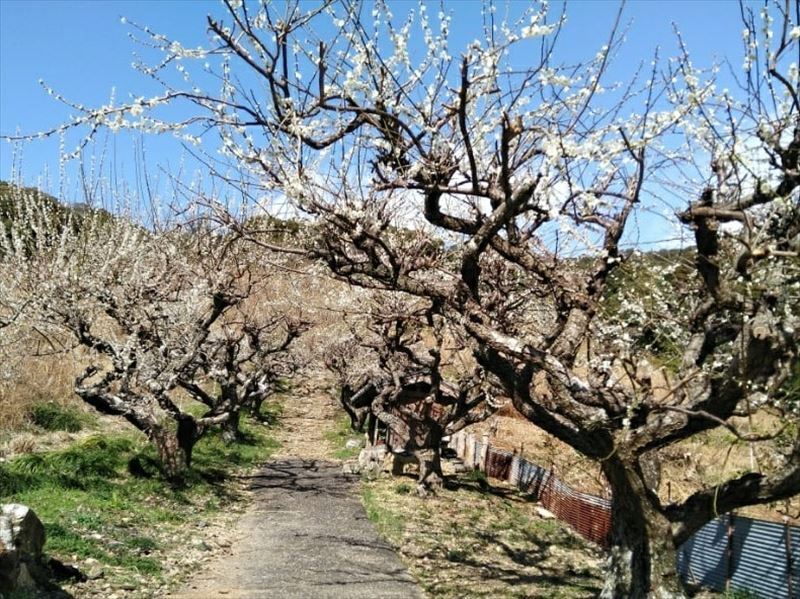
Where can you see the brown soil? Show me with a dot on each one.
(308, 413)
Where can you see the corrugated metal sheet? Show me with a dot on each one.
(498, 463)
(513, 475)
(477, 452)
(759, 557)
(760, 560)
(794, 536)
(590, 516)
(531, 478)
(702, 559)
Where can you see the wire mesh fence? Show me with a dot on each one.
(729, 553)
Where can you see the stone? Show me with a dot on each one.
(372, 471)
(24, 579)
(373, 454)
(353, 443)
(21, 544)
(371, 461)
(351, 467)
(460, 467)
(21, 531)
(199, 543)
(544, 513)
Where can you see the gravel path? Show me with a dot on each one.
(306, 533)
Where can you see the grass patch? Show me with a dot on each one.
(476, 476)
(403, 489)
(465, 542)
(270, 413)
(94, 507)
(339, 435)
(51, 416)
(389, 524)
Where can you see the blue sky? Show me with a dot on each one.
(82, 50)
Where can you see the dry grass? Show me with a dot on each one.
(471, 542)
(38, 380)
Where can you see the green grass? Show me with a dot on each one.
(271, 413)
(339, 435)
(403, 489)
(51, 416)
(476, 476)
(390, 524)
(92, 505)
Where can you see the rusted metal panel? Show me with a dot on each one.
(498, 463)
(588, 515)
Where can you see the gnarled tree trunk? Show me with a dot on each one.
(175, 448)
(427, 437)
(643, 562)
(430, 469)
(230, 427)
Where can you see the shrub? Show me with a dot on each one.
(402, 489)
(54, 417)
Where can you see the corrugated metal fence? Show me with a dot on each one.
(731, 552)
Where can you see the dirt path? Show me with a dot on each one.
(306, 533)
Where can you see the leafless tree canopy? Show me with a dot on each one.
(159, 316)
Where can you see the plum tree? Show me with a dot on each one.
(529, 173)
(158, 315)
(410, 369)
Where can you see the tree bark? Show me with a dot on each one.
(174, 448)
(430, 470)
(230, 427)
(642, 562)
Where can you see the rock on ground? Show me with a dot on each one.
(21, 545)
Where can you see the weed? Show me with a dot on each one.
(144, 544)
(456, 555)
(402, 489)
(51, 416)
(270, 413)
(339, 436)
(104, 497)
(476, 476)
(389, 524)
